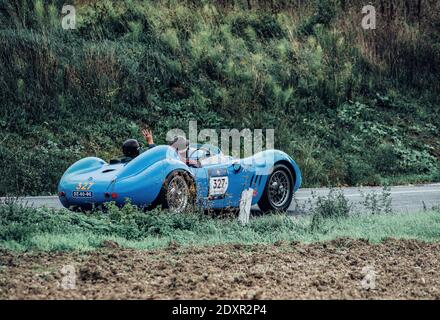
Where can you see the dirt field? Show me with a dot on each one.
(339, 269)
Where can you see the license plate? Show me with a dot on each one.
(218, 185)
(82, 194)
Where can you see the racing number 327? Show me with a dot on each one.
(84, 186)
(218, 185)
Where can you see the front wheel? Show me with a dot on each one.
(178, 192)
(278, 192)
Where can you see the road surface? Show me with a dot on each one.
(403, 198)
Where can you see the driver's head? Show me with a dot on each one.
(131, 148)
(179, 143)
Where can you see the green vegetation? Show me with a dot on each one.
(24, 228)
(352, 106)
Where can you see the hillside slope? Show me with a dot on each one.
(352, 106)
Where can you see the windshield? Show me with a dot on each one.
(198, 151)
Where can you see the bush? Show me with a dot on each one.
(360, 172)
(26, 228)
(263, 24)
(329, 89)
(332, 205)
(325, 11)
(377, 202)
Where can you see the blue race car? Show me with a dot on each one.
(158, 176)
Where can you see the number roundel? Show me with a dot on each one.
(218, 185)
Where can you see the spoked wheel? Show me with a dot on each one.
(279, 188)
(177, 192)
(278, 192)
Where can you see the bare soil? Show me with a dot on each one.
(340, 269)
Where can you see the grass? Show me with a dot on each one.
(23, 229)
(336, 95)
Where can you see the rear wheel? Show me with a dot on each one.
(278, 192)
(178, 192)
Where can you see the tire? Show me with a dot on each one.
(178, 192)
(278, 192)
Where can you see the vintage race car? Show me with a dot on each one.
(158, 176)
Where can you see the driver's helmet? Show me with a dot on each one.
(131, 148)
(179, 143)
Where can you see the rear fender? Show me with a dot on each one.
(144, 187)
(147, 159)
(85, 165)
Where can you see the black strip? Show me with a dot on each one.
(224, 309)
(259, 180)
(252, 179)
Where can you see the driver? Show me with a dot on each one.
(182, 146)
(131, 147)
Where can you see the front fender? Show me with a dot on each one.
(282, 157)
(264, 162)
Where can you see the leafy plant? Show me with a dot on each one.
(377, 202)
(333, 205)
(351, 108)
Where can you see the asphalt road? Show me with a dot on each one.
(403, 198)
(411, 198)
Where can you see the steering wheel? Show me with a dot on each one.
(207, 154)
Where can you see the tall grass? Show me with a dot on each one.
(23, 228)
(337, 96)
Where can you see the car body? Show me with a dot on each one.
(217, 181)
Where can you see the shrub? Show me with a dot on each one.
(329, 89)
(334, 204)
(377, 202)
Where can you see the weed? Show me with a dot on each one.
(27, 228)
(332, 206)
(377, 202)
(357, 107)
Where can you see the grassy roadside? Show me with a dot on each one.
(24, 228)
